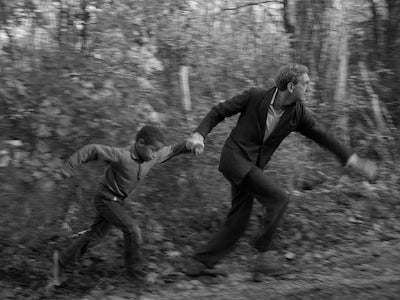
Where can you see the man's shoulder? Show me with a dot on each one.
(303, 108)
(261, 92)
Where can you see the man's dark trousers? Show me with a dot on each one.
(257, 185)
(108, 213)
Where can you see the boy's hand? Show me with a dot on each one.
(364, 166)
(195, 143)
(198, 149)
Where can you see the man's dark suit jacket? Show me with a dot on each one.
(245, 147)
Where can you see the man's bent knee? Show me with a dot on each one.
(134, 230)
(285, 199)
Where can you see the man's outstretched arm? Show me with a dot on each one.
(311, 129)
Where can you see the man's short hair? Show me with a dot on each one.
(150, 135)
(289, 73)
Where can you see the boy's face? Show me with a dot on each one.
(147, 152)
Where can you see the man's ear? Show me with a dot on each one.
(290, 87)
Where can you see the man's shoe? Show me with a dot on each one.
(268, 264)
(195, 268)
(136, 275)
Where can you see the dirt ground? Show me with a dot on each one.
(371, 272)
(339, 246)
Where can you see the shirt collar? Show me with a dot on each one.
(273, 97)
(133, 152)
(271, 106)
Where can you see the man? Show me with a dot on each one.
(266, 118)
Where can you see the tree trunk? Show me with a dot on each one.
(376, 108)
(185, 91)
(340, 99)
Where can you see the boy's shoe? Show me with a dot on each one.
(267, 264)
(195, 268)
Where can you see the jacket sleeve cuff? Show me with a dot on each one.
(352, 161)
(198, 136)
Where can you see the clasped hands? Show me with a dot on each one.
(195, 143)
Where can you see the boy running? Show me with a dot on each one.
(127, 167)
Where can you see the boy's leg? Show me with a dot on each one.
(236, 223)
(61, 259)
(115, 214)
(96, 232)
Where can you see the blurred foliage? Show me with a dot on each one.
(74, 72)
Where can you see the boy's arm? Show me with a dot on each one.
(90, 153)
(168, 152)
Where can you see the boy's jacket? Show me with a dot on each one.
(124, 168)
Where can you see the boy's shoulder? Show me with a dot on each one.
(117, 150)
(124, 150)
(110, 148)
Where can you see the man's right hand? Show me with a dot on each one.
(195, 143)
(365, 166)
(61, 174)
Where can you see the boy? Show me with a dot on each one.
(126, 168)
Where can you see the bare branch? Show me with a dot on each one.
(251, 4)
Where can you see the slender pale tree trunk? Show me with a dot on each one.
(341, 99)
(375, 104)
(185, 91)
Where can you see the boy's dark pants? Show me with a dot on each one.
(108, 213)
(257, 185)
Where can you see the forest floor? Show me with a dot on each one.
(340, 245)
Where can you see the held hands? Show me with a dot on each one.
(195, 143)
(364, 166)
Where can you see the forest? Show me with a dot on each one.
(78, 72)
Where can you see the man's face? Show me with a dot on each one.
(301, 88)
(148, 152)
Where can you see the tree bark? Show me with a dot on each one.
(184, 78)
(340, 99)
(376, 108)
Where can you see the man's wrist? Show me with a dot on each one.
(64, 173)
(198, 136)
(352, 161)
(366, 167)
